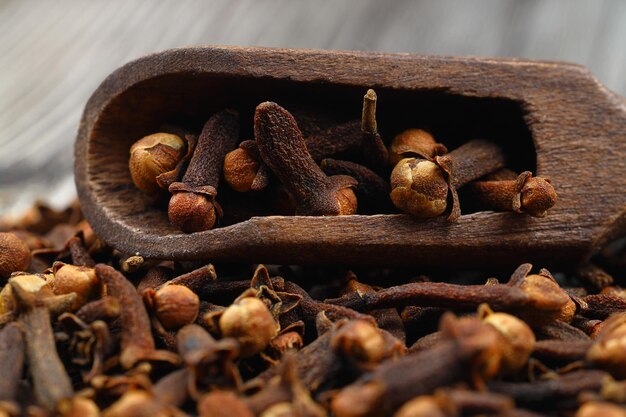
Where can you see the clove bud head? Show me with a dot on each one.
(537, 196)
(192, 212)
(548, 301)
(359, 340)
(419, 188)
(346, 199)
(240, 169)
(250, 322)
(81, 280)
(414, 142)
(14, 255)
(609, 348)
(152, 156)
(31, 283)
(175, 306)
(519, 339)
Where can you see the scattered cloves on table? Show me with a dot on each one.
(99, 332)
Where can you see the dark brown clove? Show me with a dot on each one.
(192, 207)
(210, 363)
(559, 330)
(78, 251)
(106, 308)
(195, 280)
(11, 361)
(464, 354)
(594, 276)
(284, 151)
(156, 276)
(51, 383)
(601, 306)
(526, 194)
(311, 308)
(137, 343)
(438, 294)
(561, 350)
(591, 327)
(548, 393)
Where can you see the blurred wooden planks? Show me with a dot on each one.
(54, 54)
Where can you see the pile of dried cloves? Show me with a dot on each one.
(86, 330)
(291, 168)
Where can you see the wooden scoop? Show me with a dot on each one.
(553, 118)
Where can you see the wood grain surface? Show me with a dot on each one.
(53, 54)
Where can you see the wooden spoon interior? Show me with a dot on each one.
(554, 119)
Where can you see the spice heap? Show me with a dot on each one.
(86, 330)
(295, 165)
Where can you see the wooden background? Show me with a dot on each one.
(53, 54)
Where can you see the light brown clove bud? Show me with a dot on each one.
(175, 306)
(243, 166)
(359, 340)
(548, 300)
(419, 187)
(81, 280)
(518, 337)
(414, 142)
(14, 255)
(28, 282)
(151, 156)
(250, 322)
(609, 348)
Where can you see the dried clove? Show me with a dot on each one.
(137, 343)
(14, 255)
(421, 187)
(470, 344)
(51, 383)
(174, 305)
(526, 194)
(284, 151)
(151, 156)
(192, 206)
(11, 362)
